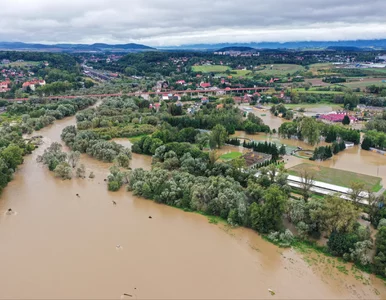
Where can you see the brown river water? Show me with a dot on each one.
(59, 246)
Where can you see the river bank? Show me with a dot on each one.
(61, 246)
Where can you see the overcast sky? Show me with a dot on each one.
(172, 22)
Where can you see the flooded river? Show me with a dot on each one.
(59, 246)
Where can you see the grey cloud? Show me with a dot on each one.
(165, 22)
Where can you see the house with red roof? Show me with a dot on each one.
(33, 83)
(4, 86)
(181, 82)
(204, 84)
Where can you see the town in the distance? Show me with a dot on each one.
(275, 157)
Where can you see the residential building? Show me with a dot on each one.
(33, 83)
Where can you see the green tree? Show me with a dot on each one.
(268, 216)
(337, 215)
(351, 100)
(122, 160)
(218, 136)
(12, 156)
(310, 130)
(346, 120)
(380, 257)
(52, 156)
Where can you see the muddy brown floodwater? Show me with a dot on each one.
(351, 159)
(59, 246)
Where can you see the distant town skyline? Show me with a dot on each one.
(169, 23)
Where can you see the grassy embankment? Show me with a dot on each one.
(230, 155)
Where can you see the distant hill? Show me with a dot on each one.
(98, 47)
(360, 44)
(242, 49)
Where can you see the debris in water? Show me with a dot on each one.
(150, 217)
(114, 203)
(118, 247)
(77, 195)
(271, 291)
(9, 211)
(125, 295)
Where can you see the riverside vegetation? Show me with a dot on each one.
(185, 176)
(26, 118)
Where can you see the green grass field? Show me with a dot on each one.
(239, 73)
(230, 155)
(279, 69)
(380, 71)
(210, 69)
(22, 64)
(315, 91)
(338, 177)
(365, 83)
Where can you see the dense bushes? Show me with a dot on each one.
(374, 139)
(89, 142)
(229, 117)
(331, 132)
(214, 195)
(322, 153)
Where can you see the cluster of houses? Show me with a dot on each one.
(33, 84)
(238, 53)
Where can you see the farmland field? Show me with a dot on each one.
(239, 73)
(210, 68)
(315, 91)
(365, 82)
(336, 176)
(279, 69)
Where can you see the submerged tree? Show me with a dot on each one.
(52, 156)
(81, 171)
(73, 158)
(63, 170)
(310, 130)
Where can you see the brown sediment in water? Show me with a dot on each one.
(60, 246)
(352, 159)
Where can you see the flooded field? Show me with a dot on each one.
(59, 246)
(351, 159)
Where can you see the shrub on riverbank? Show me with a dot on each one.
(89, 142)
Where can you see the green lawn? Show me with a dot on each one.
(231, 155)
(279, 69)
(137, 138)
(210, 69)
(337, 177)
